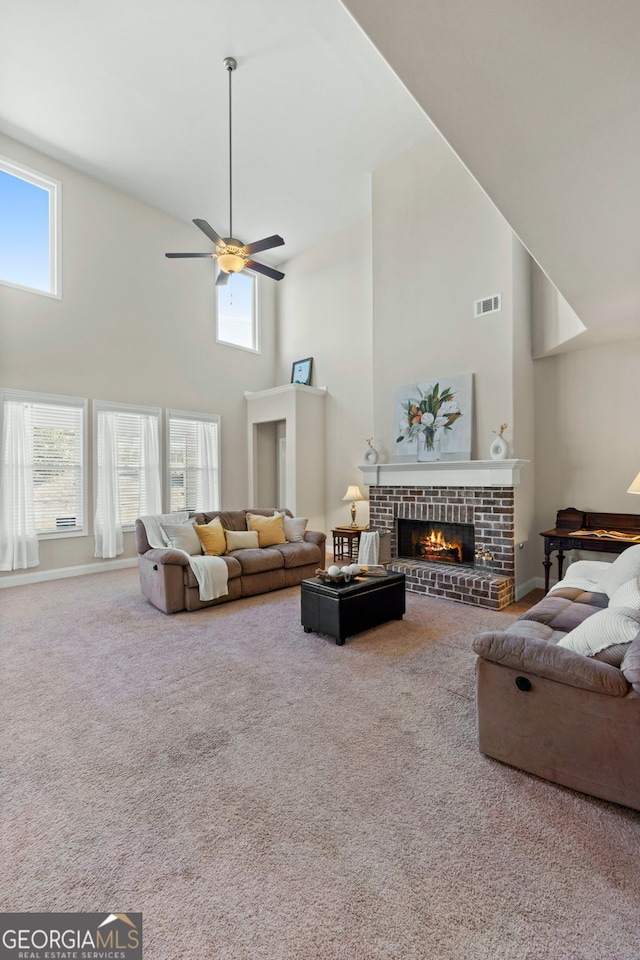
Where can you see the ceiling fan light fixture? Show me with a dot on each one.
(231, 262)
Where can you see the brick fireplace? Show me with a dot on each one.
(440, 493)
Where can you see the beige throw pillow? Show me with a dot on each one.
(270, 529)
(294, 527)
(182, 536)
(212, 536)
(241, 540)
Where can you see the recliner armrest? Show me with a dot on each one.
(548, 661)
(314, 536)
(160, 555)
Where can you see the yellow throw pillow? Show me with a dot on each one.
(212, 537)
(270, 529)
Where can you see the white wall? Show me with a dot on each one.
(587, 436)
(324, 312)
(438, 245)
(132, 326)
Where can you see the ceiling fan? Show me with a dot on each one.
(232, 255)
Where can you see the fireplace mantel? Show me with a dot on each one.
(444, 473)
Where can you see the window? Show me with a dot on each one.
(194, 461)
(47, 435)
(236, 311)
(29, 229)
(127, 468)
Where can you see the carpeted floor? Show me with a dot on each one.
(259, 793)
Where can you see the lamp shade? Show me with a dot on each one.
(634, 488)
(353, 493)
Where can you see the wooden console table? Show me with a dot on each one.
(577, 530)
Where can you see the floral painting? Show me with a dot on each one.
(433, 419)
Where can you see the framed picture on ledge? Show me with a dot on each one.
(301, 371)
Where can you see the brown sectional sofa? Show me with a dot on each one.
(569, 718)
(168, 582)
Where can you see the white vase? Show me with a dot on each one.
(371, 455)
(499, 449)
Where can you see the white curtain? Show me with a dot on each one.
(18, 536)
(207, 434)
(107, 522)
(150, 488)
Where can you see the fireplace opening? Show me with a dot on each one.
(436, 541)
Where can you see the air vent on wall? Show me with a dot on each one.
(488, 305)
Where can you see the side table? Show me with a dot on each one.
(346, 543)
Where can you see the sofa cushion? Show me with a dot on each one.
(261, 560)
(606, 628)
(234, 570)
(182, 536)
(241, 540)
(270, 529)
(625, 567)
(628, 595)
(562, 612)
(299, 554)
(212, 537)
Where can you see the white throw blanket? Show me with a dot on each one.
(211, 573)
(369, 548)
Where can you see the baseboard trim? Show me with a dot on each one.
(536, 583)
(39, 576)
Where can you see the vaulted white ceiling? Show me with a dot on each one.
(135, 93)
(541, 100)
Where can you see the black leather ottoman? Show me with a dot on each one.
(342, 610)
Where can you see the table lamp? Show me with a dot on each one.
(634, 488)
(353, 494)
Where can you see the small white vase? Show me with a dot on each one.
(371, 455)
(499, 449)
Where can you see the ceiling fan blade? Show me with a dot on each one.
(222, 278)
(208, 230)
(266, 244)
(189, 254)
(268, 271)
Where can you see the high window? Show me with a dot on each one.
(194, 461)
(126, 471)
(29, 229)
(237, 313)
(42, 473)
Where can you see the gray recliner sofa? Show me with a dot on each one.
(566, 717)
(168, 582)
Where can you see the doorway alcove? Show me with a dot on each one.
(285, 435)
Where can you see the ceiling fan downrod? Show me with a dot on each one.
(231, 64)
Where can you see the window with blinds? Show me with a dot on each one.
(56, 444)
(129, 469)
(194, 461)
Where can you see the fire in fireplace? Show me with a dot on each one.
(441, 542)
